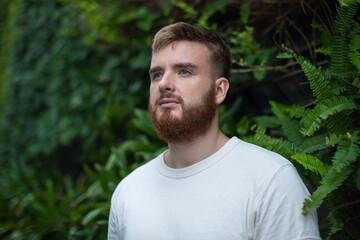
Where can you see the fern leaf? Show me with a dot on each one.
(356, 83)
(331, 181)
(340, 61)
(313, 144)
(297, 111)
(267, 121)
(339, 123)
(326, 38)
(354, 53)
(285, 55)
(318, 85)
(312, 163)
(280, 146)
(323, 50)
(323, 111)
(332, 140)
(347, 152)
(290, 126)
(347, 3)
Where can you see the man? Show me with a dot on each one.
(206, 186)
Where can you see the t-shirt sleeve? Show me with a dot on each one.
(279, 209)
(112, 226)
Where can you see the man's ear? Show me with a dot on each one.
(221, 89)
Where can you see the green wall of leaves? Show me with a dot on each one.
(73, 98)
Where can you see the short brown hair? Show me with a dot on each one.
(219, 51)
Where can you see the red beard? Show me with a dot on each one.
(196, 118)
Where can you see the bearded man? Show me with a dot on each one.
(206, 186)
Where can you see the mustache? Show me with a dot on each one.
(168, 95)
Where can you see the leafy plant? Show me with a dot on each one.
(76, 85)
(324, 141)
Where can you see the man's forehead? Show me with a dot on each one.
(187, 51)
(183, 44)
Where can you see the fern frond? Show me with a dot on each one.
(267, 121)
(343, 21)
(334, 223)
(326, 38)
(313, 144)
(321, 112)
(323, 50)
(280, 146)
(339, 123)
(312, 163)
(356, 83)
(347, 74)
(297, 111)
(340, 61)
(331, 181)
(347, 152)
(318, 85)
(332, 140)
(290, 126)
(346, 3)
(354, 53)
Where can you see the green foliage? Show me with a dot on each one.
(248, 54)
(312, 163)
(36, 207)
(323, 141)
(7, 12)
(74, 122)
(354, 51)
(73, 80)
(332, 106)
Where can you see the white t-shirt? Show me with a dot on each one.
(240, 192)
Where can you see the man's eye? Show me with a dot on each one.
(184, 72)
(157, 75)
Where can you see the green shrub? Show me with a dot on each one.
(77, 89)
(323, 140)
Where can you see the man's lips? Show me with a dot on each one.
(168, 102)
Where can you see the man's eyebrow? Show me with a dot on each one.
(155, 69)
(185, 65)
(176, 65)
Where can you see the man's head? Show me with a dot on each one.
(220, 57)
(186, 84)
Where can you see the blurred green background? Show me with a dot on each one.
(74, 88)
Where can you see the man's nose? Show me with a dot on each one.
(166, 84)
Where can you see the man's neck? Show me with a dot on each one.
(185, 154)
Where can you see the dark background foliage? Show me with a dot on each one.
(74, 89)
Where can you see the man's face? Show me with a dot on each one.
(182, 93)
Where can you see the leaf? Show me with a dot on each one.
(290, 126)
(313, 121)
(280, 146)
(90, 216)
(142, 122)
(297, 111)
(285, 55)
(312, 163)
(354, 51)
(347, 151)
(267, 121)
(331, 181)
(313, 144)
(347, 3)
(315, 75)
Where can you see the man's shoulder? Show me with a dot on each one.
(254, 154)
(138, 176)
